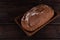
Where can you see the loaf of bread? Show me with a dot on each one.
(36, 17)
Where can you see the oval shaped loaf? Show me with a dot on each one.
(36, 17)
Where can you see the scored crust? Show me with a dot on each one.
(36, 17)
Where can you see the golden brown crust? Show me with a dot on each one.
(36, 17)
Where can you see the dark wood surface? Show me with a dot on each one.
(9, 30)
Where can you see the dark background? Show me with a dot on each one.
(9, 30)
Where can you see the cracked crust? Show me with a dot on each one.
(36, 17)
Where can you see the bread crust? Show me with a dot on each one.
(36, 17)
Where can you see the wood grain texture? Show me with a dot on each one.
(9, 30)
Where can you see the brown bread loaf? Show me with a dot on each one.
(36, 17)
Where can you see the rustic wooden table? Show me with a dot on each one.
(9, 30)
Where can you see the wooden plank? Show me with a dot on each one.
(29, 39)
(13, 31)
(10, 31)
